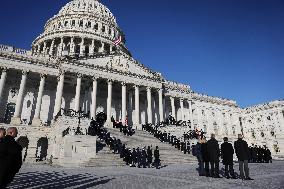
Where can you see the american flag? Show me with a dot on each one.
(118, 41)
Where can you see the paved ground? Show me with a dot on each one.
(268, 176)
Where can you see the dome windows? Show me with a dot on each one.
(81, 23)
(73, 23)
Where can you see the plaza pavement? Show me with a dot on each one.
(266, 176)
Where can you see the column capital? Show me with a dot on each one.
(109, 81)
(25, 72)
(95, 78)
(79, 75)
(148, 88)
(181, 99)
(43, 75)
(4, 69)
(123, 83)
(61, 72)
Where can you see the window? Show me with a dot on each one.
(262, 134)
(73, 23)
(96, 26)
(202, 111)
(109, 31)
(213, 114)
(81, 23)
(234, 130)
(89, 24)
(215, 126)
(59, 25)
(103, 29)
(66, 23)
(225, 130)
(205, 128)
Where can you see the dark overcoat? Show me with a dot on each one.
(213, 150)
(242, 150)
(227, 152)
(204, 152)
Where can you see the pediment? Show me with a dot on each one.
(122, 63)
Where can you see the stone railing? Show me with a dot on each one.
(5, 48)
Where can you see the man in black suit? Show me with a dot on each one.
(10, 157)
(227, 152)
(242, 151)
(2, 133)
(214, 154)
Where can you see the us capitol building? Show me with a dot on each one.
(75, 64)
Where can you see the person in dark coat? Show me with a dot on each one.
(2, 134)
(227, 152)
(242, 152)
(10, 157)
(157, 160)
(199, 158)
(205, 156)
(213, 153)
(149, 156)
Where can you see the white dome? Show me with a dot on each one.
(80, 19)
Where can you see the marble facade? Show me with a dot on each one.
(74, 64)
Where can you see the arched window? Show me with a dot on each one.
(234, 130)
(103, 29)
(96, 26)
(89, 24)
(215, 126)
(73, 23)
(81, 23)
(225, 129)
(66, 23)
(205, 128)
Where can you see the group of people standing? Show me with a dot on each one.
(10, 156)
(259, 154)
(208, 152)
(141, 158)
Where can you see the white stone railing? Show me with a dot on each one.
(5, 48)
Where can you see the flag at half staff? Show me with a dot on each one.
(118, 41)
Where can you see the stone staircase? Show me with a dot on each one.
(168, 153)
(104, 157)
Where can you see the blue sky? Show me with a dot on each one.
(226, 48)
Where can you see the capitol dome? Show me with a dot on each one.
(83, 28)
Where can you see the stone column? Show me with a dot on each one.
(38, 49)
(16, 119)
(94, 98)
(2, 81)
(44, 48)
(123, 103)
(60, 47)
(91, 48)
(72, 47)
(59, 93)
(161, 108)
(190, 112)
(101, 49)
(82, 47)
(110, 48)
(51, 48)
(173, 106)
(181, 109)
(109, 98)
(149, 107)
(137, 111)
(36, 120)
(78, 93)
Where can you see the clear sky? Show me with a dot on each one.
(226, 48)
